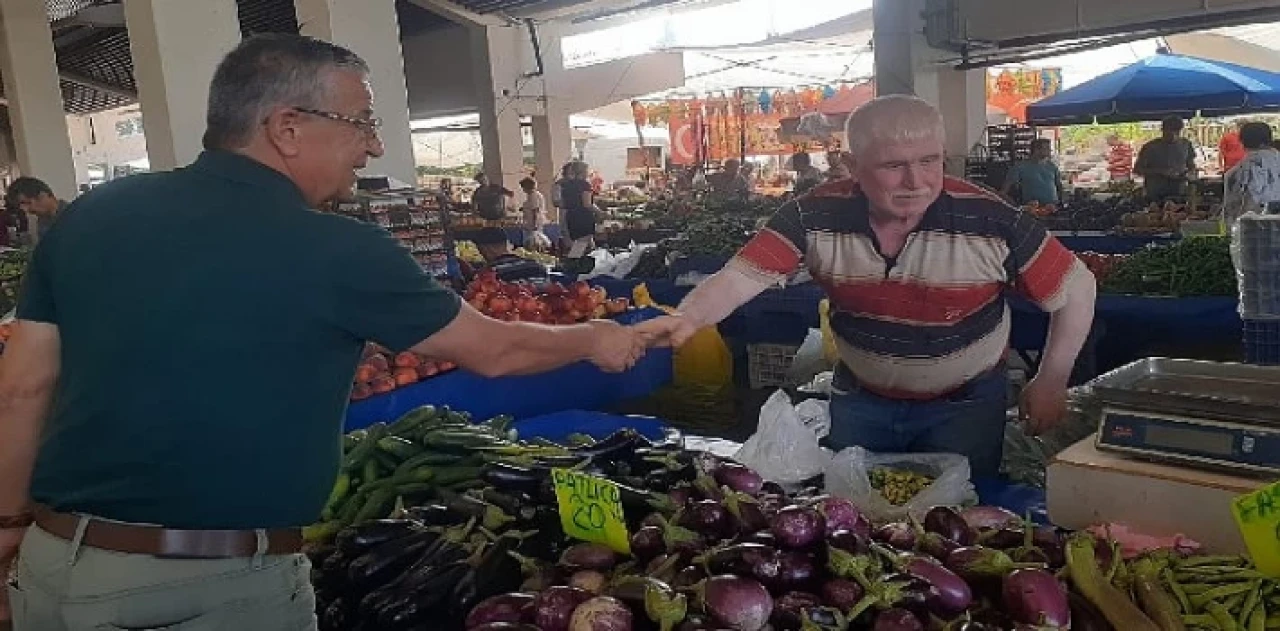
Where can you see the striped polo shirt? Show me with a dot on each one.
(924, 324)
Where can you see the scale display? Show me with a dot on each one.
(1226, 445)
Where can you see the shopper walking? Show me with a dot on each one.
(147, 426)
(1253, 185)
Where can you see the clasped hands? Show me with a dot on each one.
(617, 348)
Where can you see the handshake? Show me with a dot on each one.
(617, 348)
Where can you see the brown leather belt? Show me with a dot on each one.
(166, 543)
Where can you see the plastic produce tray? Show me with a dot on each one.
(1262, 342)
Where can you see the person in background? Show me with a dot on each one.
(837, 166)
(1254, 183)
(579, 217)
(729, 182)
(1231, 149)
(35, 198)
(597, 182)
(1037, 178)
(1119, 159)
(917, 266)
(15, 225)
(153, 475)
(807, 175)
(490, 200)
(533, 215)
(1167, 163)
(510, 267)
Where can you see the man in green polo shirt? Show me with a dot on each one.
(171, 400)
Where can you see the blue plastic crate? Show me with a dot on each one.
(1262, 342)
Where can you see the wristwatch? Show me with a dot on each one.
(21, 520)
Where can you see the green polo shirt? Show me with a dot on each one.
(211, 324)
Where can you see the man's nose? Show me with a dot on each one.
(375, 148)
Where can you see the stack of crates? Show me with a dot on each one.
(1257, 254)
(1005, 145)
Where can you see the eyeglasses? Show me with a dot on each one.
(369, 126)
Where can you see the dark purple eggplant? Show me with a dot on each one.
(707, 517)
(1036, 597)
(797, 571)
(357, 540)
(842, 514)
(989, 517)
(505, 626)
(593, 581)
(842, 593)
(381, 564)
(553, 607)
(952, 592)
(589, 556)
(647, 543)
(738, 478)
(745, 512)
(508, 477)
(978, 563)
(681, 495)
(824, 619)
(1002, 538)
(898, 535)
(735, 602)
(602, 613)
(798, 527)
(501, 608)
(848, 541)
(788, 610)
(946, 521)
(688, 576)
(897, 620)
(1084, 615)
(664, 567)
(936, 545)
(738, 558)
(763, 537)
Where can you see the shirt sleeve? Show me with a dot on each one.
(1040, 263)
(35, 302)
(778, 248)
(382, 294)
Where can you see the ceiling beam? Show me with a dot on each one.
(459, 14)
(95, 84)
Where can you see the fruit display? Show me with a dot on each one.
(1198, 266)
(552, 303)
(1101, 265)
(381, 371)
(898, 486)
(440, 524)
(467, 251)
(1159, 218)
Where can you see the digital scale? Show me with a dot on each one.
(1196, 413)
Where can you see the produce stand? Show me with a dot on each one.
(1108, 243)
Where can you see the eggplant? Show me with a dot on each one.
(1036, 597)
(897, 620)
(688, 576)
(508, 477)
(357, 540)
(738, 478)
(381, 564)
(936, 545)
(620, 445)
(978, 563)
(798, 526)
(735, 602)
(739, 558)
(504, 626)
(899, 535)
(1003, 538)
(1084, 615)
(841, 593)
(415, 606)
(982, 518)
(848, 541)
(602, 613)
(589, 556)
(681, 495)
(797, 571)
(511, 607)
(495, 572)
(511, 504)
(487, 515)
(952, 594)
(707, 517)
(788, 610)
(746, 513)
(947, 522)
(824, 619)
(434, 515)
(842, 514)
(336, 617)
(553, 608)
(647, 543)
(592, 581)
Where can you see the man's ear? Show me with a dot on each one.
(284, 131)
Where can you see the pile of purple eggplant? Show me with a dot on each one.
(739, 554)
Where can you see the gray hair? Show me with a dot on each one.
(893, 118)
(268, 71)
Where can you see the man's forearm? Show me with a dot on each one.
(1069, 328)
(21, 420)
(535, 348)
(717, 297)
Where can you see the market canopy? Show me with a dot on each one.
(1160, 86)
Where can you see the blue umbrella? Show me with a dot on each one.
(1160, 86)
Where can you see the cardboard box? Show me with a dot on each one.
(1086, 487)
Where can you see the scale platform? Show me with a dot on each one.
(1203, 414)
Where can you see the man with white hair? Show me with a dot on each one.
(916, 265)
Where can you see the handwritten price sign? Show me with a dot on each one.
(1258, 516)
(591, 509)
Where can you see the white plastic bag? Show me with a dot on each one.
(847, 476)
(810, 360)
(783, 449)
(816, 415)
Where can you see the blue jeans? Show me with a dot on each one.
(969, 422)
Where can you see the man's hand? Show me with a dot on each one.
(9, 542)
(617, 348)
(673, 330)
(1043, 405)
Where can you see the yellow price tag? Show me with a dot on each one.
(591, 509)
(1258, 516)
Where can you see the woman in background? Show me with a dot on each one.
(1254, 183)
(579, 217)
(533, 215)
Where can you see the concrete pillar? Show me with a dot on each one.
(494, 58)
(371, 29)
(176, 47)
(906, 64)
(34, 96)
(552, 147)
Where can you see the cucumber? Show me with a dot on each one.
(400, 448)
(362, 451)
